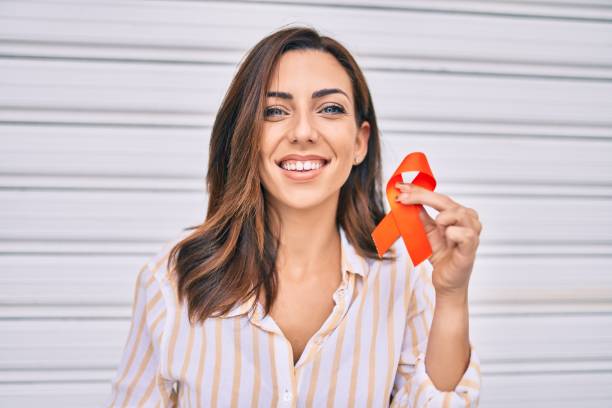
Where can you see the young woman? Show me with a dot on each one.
(279, 298)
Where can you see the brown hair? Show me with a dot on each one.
(232, 255)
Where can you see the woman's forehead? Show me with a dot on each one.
(303, 72)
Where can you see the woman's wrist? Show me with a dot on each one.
(456, 298)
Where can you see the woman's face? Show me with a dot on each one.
(310, 138)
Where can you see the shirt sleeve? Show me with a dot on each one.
(138, 381)
(413, 387)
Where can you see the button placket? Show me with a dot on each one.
(287, 396)
(288, 378)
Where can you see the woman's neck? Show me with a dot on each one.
(308, 239)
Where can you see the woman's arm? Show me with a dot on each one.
(413, 386)
(448, 349)
(454, 236)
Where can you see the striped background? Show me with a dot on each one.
(105, 109)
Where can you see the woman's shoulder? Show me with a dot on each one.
(157, 263)
(157, 287)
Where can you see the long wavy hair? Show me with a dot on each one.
(232, 255)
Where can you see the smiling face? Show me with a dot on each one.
(310, 137)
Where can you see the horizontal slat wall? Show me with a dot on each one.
(105, 112)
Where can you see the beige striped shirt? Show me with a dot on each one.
(370, 352)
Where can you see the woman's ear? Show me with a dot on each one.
(361, 144)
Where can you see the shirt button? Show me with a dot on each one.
(287, 396)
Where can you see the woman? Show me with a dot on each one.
(280, 298)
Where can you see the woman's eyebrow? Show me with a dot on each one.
(316, 94)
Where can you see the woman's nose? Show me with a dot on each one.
(303, 130)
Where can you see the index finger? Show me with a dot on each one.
(413, 194)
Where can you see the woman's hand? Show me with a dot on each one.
(453, 235)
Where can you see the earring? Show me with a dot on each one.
(356, 160)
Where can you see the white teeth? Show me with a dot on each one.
(302, 166)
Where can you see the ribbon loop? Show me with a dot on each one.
(403, 220)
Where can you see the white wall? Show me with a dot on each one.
(105, 111)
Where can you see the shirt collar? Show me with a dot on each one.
(350, 262)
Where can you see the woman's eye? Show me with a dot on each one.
(273, 111)
(334, 109)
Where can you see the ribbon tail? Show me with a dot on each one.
(413, 233)
(418, 245)
(385, 234)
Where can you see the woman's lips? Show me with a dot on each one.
(302, 175)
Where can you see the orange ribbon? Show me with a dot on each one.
(404, 219)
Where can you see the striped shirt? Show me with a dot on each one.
(369, 352)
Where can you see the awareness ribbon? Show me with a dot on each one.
(403, 220)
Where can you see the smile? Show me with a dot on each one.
(302, 170)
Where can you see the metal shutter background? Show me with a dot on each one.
(105, 111)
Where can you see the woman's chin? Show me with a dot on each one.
(303, 201)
